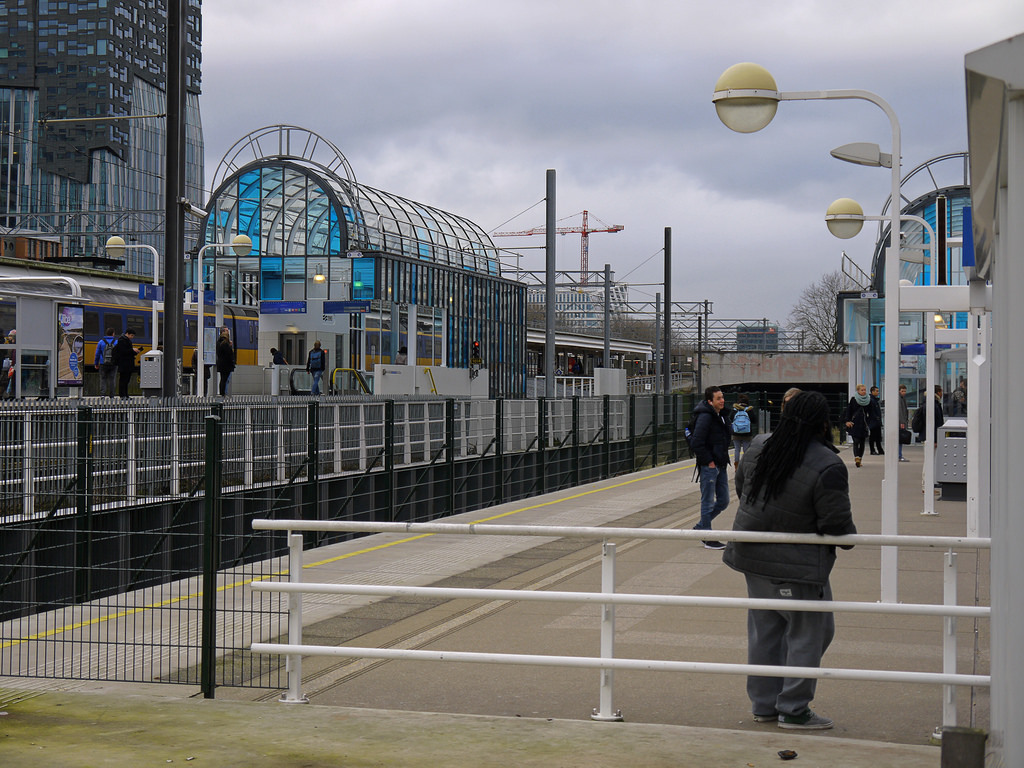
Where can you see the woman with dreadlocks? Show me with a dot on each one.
(791, 481)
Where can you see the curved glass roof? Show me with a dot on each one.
(294, 207)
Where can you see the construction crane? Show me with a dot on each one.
(584, 231)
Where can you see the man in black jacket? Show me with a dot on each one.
(710, 443)
(124, 359)
(790, 482)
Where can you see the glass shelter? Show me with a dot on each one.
(365, 271)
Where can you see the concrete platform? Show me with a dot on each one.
(421, 714)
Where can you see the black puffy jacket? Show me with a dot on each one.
(815, 499)
(711, 436)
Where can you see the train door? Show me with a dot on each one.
(293, 347)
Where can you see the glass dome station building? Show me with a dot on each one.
(364, 271)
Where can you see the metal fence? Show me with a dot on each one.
(124, 526)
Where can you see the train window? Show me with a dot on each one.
(114, 320)
(138, 324)
(91, 324)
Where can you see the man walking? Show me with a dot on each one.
(124, 361)
(316, 364)
(710, 443)
(104, 363)
(904, 418)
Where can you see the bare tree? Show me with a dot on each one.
(815, 312)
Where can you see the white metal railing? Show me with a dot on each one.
(294, 649)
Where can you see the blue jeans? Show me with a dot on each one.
(317, 375)
(714, 495)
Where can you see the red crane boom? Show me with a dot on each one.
(584, 231)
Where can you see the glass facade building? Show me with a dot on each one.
(417, 276)
(64, 170)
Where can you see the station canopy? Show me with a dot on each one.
(294, 194)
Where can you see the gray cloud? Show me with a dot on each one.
(464, 105)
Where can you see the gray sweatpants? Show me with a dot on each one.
(790, 638)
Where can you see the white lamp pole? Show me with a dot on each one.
(241, 245)
(844, 219)
(746, 98)
(116, 247)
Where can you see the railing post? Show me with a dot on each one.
(607, 409)
(575, 441)
(389, 457)
(449, 451)
(83, 503)
(293, 661)
(605, 710)
(542, 442)
(211, 556)
(632, 433)
(675, 428)
(949, 640)
(655, 404)
(499, 451)
(311, 490)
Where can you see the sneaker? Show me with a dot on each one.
(903, 459)
(772, 718)
(712, 544)
(808, 721)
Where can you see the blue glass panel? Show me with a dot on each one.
(335, 242)
(363, 278)
(271, 279)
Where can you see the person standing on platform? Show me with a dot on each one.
(402, 358)
(104, 363)
(904, 417)
(744, 426)
(225, 359)
(124, 361)
(790, 482)
(710, 444)
(875, 424)
(316, 364)
(277, 357)
(858, 422)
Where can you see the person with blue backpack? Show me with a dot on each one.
(105, 364)
(744, 426)
(316, 364)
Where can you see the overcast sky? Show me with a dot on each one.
(465, 104)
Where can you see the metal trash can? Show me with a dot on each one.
(150, 369)
(951, 460)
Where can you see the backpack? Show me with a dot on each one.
(108, 352)
(741, 422)
(316, 360)
(918, 422)
(688, 431)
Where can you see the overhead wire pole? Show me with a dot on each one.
(174, 232)
(549, 293)
(607, 315)
(667, 364)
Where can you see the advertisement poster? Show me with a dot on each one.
(70, 345)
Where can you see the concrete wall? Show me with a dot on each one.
(727, 368)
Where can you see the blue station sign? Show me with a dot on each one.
(282, 307)
(345, 307)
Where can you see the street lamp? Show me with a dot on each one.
(746, 98)
(241, 245)
(116, 247)
(844, 219)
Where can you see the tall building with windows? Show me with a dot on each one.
(69, 168)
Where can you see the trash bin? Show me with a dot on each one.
(150, 370)
(951, 460)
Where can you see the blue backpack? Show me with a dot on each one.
(741, 423)
(316, 360)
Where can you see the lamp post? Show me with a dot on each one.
(844, 219)
(241, 245)
(746, 98)
(116, 247)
